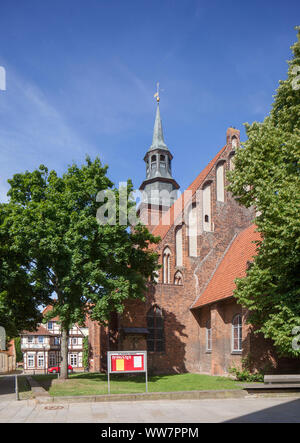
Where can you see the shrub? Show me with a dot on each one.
(246, 375)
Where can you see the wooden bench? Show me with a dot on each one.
(282, 379)
(275, 384)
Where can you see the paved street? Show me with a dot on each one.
(179, 411)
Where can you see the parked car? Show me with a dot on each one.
(56, 369)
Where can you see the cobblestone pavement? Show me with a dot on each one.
(249, 409)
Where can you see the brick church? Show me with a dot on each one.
(190, 321)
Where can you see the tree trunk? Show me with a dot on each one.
(64, 353)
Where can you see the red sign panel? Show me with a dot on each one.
(127, 362)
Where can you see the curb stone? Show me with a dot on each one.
(179, 395)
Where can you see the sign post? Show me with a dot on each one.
(125, 362)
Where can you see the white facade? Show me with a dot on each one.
(41, 350)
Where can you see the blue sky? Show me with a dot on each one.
(81, 77)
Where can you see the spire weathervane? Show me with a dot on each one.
(157, 92)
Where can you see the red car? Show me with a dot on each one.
(56, 369)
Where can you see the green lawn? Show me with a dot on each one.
(95, 384)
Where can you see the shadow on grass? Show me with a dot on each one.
(45, 380)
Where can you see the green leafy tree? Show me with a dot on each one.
(19, 353)
(90, 267)
(266, 176)
(19, 300)
(86, 352)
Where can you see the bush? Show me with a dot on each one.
(246, 375)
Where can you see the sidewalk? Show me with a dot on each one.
(245, 410)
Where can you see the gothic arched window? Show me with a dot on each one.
(178, 246)
(167, 266)
(178, 279)
(207, 208)
(155, 326)
(192, 231)
(234, 142)
(220, 182)
(208, 336)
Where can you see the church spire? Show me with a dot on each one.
(158, 159)
(158, 136)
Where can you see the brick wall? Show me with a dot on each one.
(185, 328)
(184, 336)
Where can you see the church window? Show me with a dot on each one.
(178, 280)
(207, 208)
(155, 326)
(220, 182)
(167, 266)
(234, 142)
(208, 336)
(178, 241)
(192, 231)
(237, 333)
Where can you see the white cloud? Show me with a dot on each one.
(33, 131)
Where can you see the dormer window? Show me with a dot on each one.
(50, 325)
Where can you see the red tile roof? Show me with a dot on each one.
(161, 229)
(41, 330)
(46, 310)
(233, 265)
